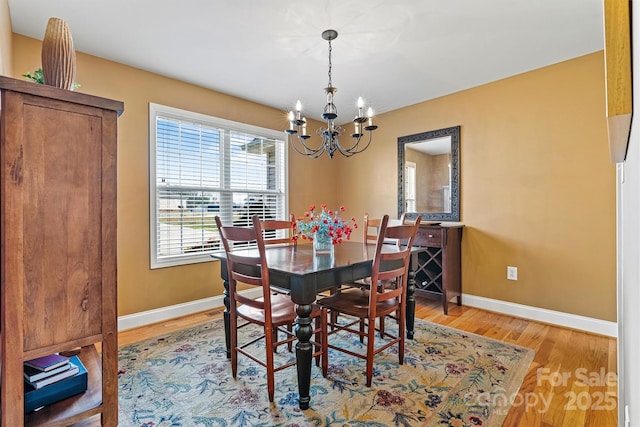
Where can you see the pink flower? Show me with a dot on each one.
(324, 221)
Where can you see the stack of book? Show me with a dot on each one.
(52, 378)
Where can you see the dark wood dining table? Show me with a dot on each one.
(305, 274)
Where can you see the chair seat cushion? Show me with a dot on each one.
(356, 303)
(283, 310)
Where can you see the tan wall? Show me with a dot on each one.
(432, 173)
(5, 39)
(538, 191)
(423, 180)
(139, 287)
(439, 171)
(537, 186)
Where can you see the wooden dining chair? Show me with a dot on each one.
(371, 231)
(279, 232)
(390, 264)
(272, 311)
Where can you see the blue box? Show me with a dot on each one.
(34, 399)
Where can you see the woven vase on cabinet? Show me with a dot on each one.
(58, 55)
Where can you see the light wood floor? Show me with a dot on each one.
(572, 381)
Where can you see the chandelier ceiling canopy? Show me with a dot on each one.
(330, 135)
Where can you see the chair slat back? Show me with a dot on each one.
(270, 228)
(244, 267)
(372, 228)
(392, 263)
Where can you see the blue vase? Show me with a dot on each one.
(322, 243)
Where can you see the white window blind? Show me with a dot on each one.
(202, 166)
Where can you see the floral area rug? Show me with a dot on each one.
(449, 378)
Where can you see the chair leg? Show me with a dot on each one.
(318, 336)
(371, 332)
(269, 362)
(362, 330)
(234, 362)
(324, 341)
(275, 339)
(333, 313)
(381, 326)
(401, 335)
(234, 344)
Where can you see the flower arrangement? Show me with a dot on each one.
(324, 222)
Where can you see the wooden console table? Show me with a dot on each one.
(437, 268)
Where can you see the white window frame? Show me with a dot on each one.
(156, 110)
(410, 186)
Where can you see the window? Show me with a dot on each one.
(202, 166)
(410, 186)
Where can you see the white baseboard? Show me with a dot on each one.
(588, 324)
(143, 318)
(568, 320)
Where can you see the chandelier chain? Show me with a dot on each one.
(330, 49)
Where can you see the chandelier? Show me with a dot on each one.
(297, 132)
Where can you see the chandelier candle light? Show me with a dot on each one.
(330, 134)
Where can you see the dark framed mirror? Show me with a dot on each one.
(429, 175)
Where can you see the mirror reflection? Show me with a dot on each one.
(428, 175)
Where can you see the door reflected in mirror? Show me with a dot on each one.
(428, 182)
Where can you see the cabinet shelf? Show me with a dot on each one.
(77, 407)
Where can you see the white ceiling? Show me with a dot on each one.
(392, 53)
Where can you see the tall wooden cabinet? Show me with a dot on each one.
(58, 227)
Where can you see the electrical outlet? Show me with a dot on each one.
(512, 273)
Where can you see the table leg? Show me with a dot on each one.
(227, 307)
(411, 297)
(304, 353)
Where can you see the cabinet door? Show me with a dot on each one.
(56, 235)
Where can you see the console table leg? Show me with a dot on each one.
(445, 301)
(304, 353)
(411, 302)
